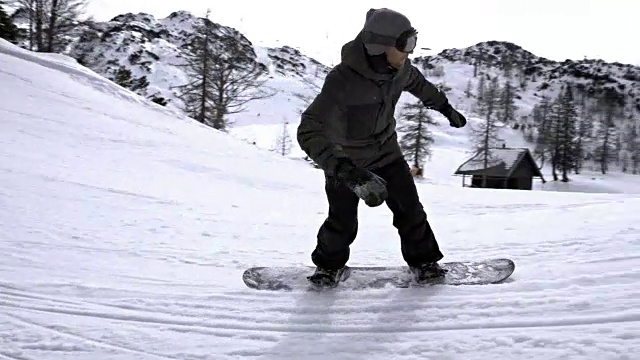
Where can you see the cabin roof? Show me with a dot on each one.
(501, 162)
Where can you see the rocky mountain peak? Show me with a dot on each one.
(289, 61)
(539, 75)
(150, 51)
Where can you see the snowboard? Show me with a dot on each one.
(480, 272)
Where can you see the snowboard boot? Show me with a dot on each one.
(427, 271)
(326, 278)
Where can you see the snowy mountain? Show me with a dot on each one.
(148, 55)
(603, 133)
(153, 48)
(536, 76)
(126, 228)
(145, 54)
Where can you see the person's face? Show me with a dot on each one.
(396, 57)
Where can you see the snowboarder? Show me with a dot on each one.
(349, 131)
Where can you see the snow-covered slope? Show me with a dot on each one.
(126, 228)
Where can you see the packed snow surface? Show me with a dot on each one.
(125, 229)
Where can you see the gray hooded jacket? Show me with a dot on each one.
(353, 115)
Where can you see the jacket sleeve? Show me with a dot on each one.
(321, 124)
(424, 90)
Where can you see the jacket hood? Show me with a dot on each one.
(354, 55)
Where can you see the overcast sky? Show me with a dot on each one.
(556, 29)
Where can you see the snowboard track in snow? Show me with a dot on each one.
(278, 318)
(311, 328)
(364, 307)
(99, 343)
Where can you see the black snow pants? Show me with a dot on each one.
(417, 240)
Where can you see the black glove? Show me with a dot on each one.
(366, 185)
(456, 119)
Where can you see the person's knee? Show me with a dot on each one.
(408, 205)
(336, 236)
(345, 225)
(410, 215)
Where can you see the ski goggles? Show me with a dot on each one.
(405, 43)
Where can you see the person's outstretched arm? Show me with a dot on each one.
(432, 98)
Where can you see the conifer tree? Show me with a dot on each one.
(629, 136)
(467, 90)
(541, 115)
(417, 138)
(284, 142)
(634, 149)
(522, 77)
(485, 136)
(606, 132)
(584, 132)
(477, 64)
(480, 90)
(554, 130)
(507, 64)
(125, 78)
(618, 146)
(508, 106)
(8, 30)
(565, 118)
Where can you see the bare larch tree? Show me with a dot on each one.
(50, 22)
(223, 75)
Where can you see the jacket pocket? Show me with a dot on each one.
(362, 120)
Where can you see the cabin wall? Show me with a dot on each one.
(492, 182)
(524, 169)
(521, 183)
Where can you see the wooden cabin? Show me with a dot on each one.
(506, 168)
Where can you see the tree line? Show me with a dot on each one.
(223, 75)
(571, 129)
(8, 29)
(567, 130)
(49, 22)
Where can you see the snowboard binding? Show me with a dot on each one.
(328, 278)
